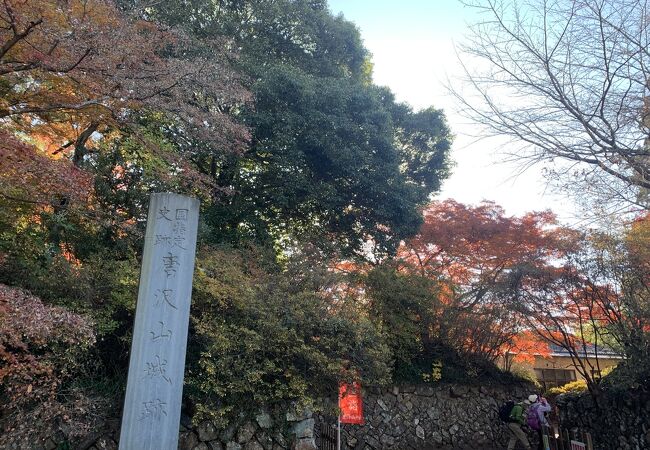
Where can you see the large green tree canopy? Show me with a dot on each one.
(264, 109)
(332, 158)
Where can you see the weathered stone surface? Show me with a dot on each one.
(424, 391)
(387, 440)
(436, 418)
(152, 405)
(280, 440)
(305, 444)
(372, 441)
(458, 391)
(246, 433)
(187, 441)
(207, 431)
(264, 420)
(304, 429)
(431, 416)
(253, 445)
(295, 415)
(228, 434)
(106, 443)
(264, 439)
(622, 422)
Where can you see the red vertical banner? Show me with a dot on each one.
(350, 403)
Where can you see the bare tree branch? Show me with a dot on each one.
(566, 79)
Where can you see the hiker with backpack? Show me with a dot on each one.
(513, 415)
(536, 416)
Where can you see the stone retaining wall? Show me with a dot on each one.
(428, 417)
(620, 422)
(259, 433)
(432, 417)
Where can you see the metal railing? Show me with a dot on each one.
(556, 438)
(326, 435)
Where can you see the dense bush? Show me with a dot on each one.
(574, 387)
(628, 375)
(407, 309)
(262, 338)
(41, 349)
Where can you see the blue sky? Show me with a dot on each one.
(413, 43)
(444, 19)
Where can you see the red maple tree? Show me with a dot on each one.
(473, 252)
(78, 66)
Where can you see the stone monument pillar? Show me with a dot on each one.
(152, 407)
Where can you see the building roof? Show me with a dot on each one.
(591, 351)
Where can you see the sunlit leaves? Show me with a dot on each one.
(71, 69)
(30, 176)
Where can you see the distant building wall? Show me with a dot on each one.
(555, 371)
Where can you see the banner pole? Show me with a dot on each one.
(338, 434)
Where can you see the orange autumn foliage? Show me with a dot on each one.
(637, 240)
(525, 345)
(466, 244)
(72, 71)
(472, 252)
(30, 175)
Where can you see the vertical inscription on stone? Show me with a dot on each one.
(152, 407)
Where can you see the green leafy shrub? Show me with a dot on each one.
(628, 375)
(407, 309)
(262, 338)
(435, 374)
(525, 373)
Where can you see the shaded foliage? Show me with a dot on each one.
(333, 158)
(407, 308)
(40, 349)
(264, 339)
